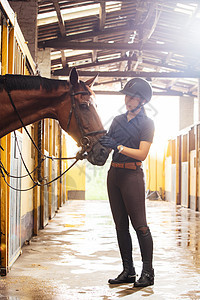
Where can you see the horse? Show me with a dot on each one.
(26, 99)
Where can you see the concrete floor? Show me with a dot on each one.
(73, 257)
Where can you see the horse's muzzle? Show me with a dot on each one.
(98, 155)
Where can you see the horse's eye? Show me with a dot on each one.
(84, 105)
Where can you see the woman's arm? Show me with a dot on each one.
(140, 153)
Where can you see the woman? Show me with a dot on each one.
(130, 136)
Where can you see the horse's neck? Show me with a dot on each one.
(32, 106)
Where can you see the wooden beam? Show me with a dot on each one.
(94, 52)
(196, 166)
(63, 44)
(127, 74)
(36, 189)
(102, 19)
(155, 93)
(147, 28)
(101, 63)
(42, 190)
(50, 188)
(89, 35)
(102, 15)
(61, 24)
(63, 58)
(125, 58)
(123, 63)
(5, 159)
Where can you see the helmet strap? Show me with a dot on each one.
(137, 107)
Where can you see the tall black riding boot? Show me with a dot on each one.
(125, 245)
(146, 247)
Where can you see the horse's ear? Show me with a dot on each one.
(73, 76)
(91, 81)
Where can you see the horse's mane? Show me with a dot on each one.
(26, 82)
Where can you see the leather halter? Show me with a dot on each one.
(84, 140)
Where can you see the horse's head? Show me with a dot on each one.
(84, 124)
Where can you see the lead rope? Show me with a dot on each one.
(37, 184)
(25, 166)
(2, 170)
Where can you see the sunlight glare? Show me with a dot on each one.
(163, 110)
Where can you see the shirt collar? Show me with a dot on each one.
(139, 115)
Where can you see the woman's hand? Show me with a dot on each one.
(108, 142)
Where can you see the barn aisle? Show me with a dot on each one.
(73, 257)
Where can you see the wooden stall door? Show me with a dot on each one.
(173, 189)
(15, 200)
(184, 184)
(46, 190)
(54, 198)
(192, 179)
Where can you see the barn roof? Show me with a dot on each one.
(155, 39)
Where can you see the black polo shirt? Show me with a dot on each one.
(131, 133)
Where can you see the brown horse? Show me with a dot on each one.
(27, 99)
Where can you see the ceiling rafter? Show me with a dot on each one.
(130, 59)
(61, 24)
(127, 74)
(102, 15)
(101, 24)
(164, 93)
(62, 44)
(95, 32)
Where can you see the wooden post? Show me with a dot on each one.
(11, 51)
(188, 160)
(178, 170)
(4, 196)
(163, 177)
(42, 176)
(197, 163)
(35, 190)
(59, 166)
(63, 168)
(4, 213)
(50, 164)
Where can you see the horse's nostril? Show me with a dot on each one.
(103, 151)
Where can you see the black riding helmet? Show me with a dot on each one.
(138, 86)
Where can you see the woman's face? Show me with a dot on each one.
(131, 102)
